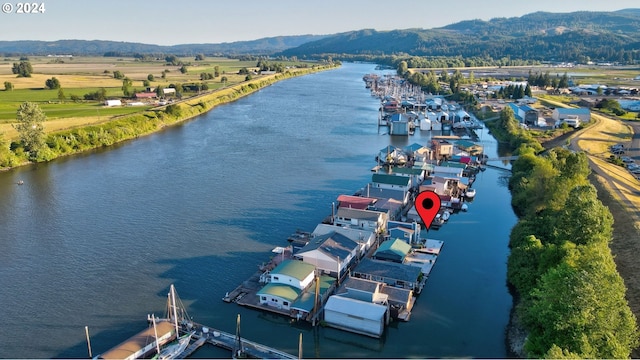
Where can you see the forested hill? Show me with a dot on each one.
(264, 46)
(578, 36)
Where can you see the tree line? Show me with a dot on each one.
(570, 297)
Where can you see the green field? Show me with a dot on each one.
(83, 75)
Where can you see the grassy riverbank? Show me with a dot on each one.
(103, 133)
(571, 299)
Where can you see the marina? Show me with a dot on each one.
(148, 225)
(178, 325)
(371, 252)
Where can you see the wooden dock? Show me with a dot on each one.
(239, 347)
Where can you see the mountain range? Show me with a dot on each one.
(543, 36)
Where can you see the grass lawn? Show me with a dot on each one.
(605, 133)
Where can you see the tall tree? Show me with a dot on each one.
(23, 69)
(403, 68)
(52, 83)
(61, 95)
(30, 119)
(8, 86)
(126, 87)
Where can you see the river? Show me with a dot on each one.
(96, 239)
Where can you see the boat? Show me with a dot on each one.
(470, 193)
(173, 349)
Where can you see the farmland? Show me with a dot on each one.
(86, 75)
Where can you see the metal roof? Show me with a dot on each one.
(393, 250)
(294, 268)
(355, 308)
(332, 244)
(390, 179)
(283, 291)
(347, 213)
(388, 270)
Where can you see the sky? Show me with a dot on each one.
(164, 22)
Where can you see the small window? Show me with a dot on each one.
(264, 298)
(285, 303)
(276, 278)
(275, 300)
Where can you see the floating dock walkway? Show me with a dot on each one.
(239, 347)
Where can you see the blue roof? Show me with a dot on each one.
(414, 147)
(574, 111)
(515, 109)
(389, 148)
(396, 117)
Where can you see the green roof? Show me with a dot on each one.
(282, 291)
(294, 268)
(466, 143)
(396, 246)
(390, 179)
(453, 165)
(305, 302)
(406, 171)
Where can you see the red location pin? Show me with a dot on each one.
(427, 205)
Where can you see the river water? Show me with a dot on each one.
(96, 239)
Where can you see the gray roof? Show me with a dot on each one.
(333, 244)
(388, 270)
(396, 294)
(361, 284)
(348, 213)
(380, 193)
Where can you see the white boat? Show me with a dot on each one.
(174, 349)
(177, 347)
(470, 193)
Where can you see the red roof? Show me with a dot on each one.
(354, 202)
(145, 95)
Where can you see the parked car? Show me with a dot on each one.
(626, 159)
(617, 151)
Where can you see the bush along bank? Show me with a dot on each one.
(129, 127)
(570, 298)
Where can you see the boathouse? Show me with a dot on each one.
(363, 237)
(355, 315)
(441, 148)
(394, 250)
(391, 207)
(285, 283)
(469, 147)
(381, 193)
(360, 219)
(355, 202)
(330, 253)
(415, 174)
(392, 274)
(388, 181)
(392, 155)
(408, 232)
(309, 302)
(401, 301)
(399, 125)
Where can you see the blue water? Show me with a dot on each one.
(96, 239)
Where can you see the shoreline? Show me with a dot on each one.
(192, 106)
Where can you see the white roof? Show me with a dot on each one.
(355, 307)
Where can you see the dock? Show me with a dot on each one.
(239, 347)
